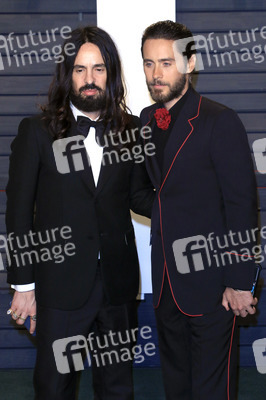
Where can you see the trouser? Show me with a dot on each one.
(198, 354)
(94, 329)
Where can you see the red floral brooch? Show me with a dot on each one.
(163, 118)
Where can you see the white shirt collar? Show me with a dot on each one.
(78, 113)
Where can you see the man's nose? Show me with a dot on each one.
(157, 72)
(89, 77)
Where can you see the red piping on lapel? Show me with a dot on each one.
(178, 151)
(149, 120)
(161, 222)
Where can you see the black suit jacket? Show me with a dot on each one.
(99, 219)
(207, 187)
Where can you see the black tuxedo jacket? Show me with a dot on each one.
(207, 187)
(99, 218)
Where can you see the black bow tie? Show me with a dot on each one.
(84, 124)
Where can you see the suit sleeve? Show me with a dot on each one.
(233, 165)
(142, 192)
(21, 191)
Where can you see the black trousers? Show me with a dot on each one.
(198, 354)
(62, 336)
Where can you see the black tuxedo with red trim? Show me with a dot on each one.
(206, 189)
(206, 186)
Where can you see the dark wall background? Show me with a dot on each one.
(242, 86)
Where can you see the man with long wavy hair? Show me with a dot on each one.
(59, 189)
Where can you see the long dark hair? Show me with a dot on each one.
(57, 112)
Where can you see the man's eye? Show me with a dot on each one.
(148, 64)
(166, 64)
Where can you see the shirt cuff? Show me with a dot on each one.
(24, 288)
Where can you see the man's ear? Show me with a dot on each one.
(191, 64)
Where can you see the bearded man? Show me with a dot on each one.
(58, 183)
(204, 214)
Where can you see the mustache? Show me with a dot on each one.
(157, 82)
(90, 87)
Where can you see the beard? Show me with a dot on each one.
(93, 103)
(175, 90)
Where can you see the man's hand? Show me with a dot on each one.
(24, 304)
(241, 302)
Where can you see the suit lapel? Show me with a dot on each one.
(85, 174)
(181, 131)
(106, 170)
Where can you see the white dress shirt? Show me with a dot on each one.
(95, 153)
